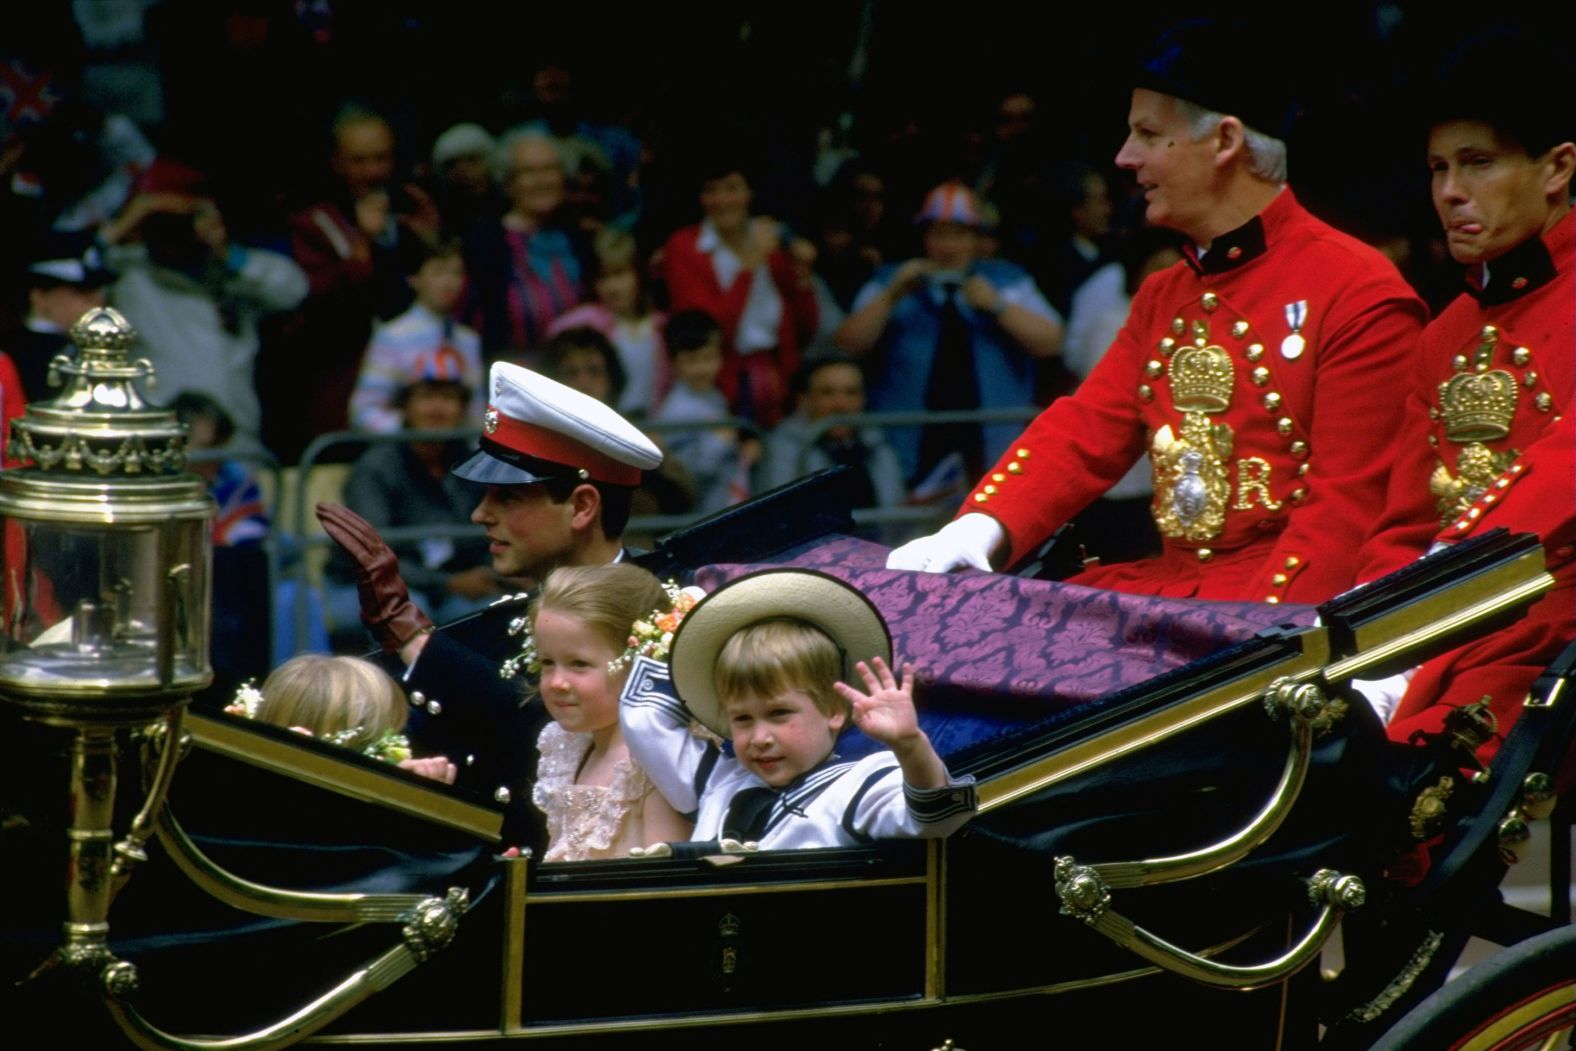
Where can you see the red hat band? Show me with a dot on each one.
(532, 440)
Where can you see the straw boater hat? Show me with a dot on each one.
(538, 430)
(847, 617)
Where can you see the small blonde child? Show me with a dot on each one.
(346, 701)
(585, 628)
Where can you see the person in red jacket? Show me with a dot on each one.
(1260, 373)
(1488, 436)
(737, 268)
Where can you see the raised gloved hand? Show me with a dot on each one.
(386, 608)
(966, 541)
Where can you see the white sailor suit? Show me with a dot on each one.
(837, 804)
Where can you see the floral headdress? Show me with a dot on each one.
(391, 747)
(651, 636)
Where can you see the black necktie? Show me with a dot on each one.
(952, 385)
(747, 814)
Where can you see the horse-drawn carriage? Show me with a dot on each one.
(1178, 804)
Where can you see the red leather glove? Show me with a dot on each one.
(386, 608)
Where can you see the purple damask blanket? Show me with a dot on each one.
(993, 651)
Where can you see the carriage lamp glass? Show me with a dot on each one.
(107, 541)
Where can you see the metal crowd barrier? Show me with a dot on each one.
(262, 462)
(290, 543)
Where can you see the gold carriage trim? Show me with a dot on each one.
(1476, 468)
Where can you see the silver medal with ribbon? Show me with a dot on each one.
(1296, 316)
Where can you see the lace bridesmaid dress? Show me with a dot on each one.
(587, 822)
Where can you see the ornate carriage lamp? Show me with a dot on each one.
(108, 544)
(108, 550)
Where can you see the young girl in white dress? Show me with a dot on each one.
(585, 627)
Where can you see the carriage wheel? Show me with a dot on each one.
(1523, 998)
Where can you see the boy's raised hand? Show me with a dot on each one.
(886, 713)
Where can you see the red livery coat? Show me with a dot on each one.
(1262, 378)
(1489, 442)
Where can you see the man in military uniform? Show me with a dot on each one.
(1260, 373)
(559, 470)
(1488, 436)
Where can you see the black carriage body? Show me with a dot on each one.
(900, 944)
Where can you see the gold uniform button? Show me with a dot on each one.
(1022, 454)
(1489, 335)
(1146, 392)
(1545, 401)
(1015, 468)
(990, 490)
(1292, 562)
(1168, 345)
(1178, 326)
(1502, 483)
(1279, 580)
(1273, 600)
(1299, 495)
(1529, 379)
(1462, 526)
(1302, 469)
(1521, 356)
(1272, 402)
(1255, 351)
(1459, 362)
(1284, 425)
(981, 498)
(1240, 329)
(998, 477)
(1153, 370)
(1299, 449)
(1209, 301)
(1205, 554)
(1260, 376)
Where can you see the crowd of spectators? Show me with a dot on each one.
(727, 279)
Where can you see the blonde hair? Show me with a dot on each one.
(332, 694)
(608, 598)
(780, 654)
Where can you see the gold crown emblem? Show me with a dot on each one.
(1201, 379)
(1478, 406)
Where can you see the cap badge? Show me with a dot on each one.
(490, 421)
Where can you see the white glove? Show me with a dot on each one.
(966, 541)
(1384, 694)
